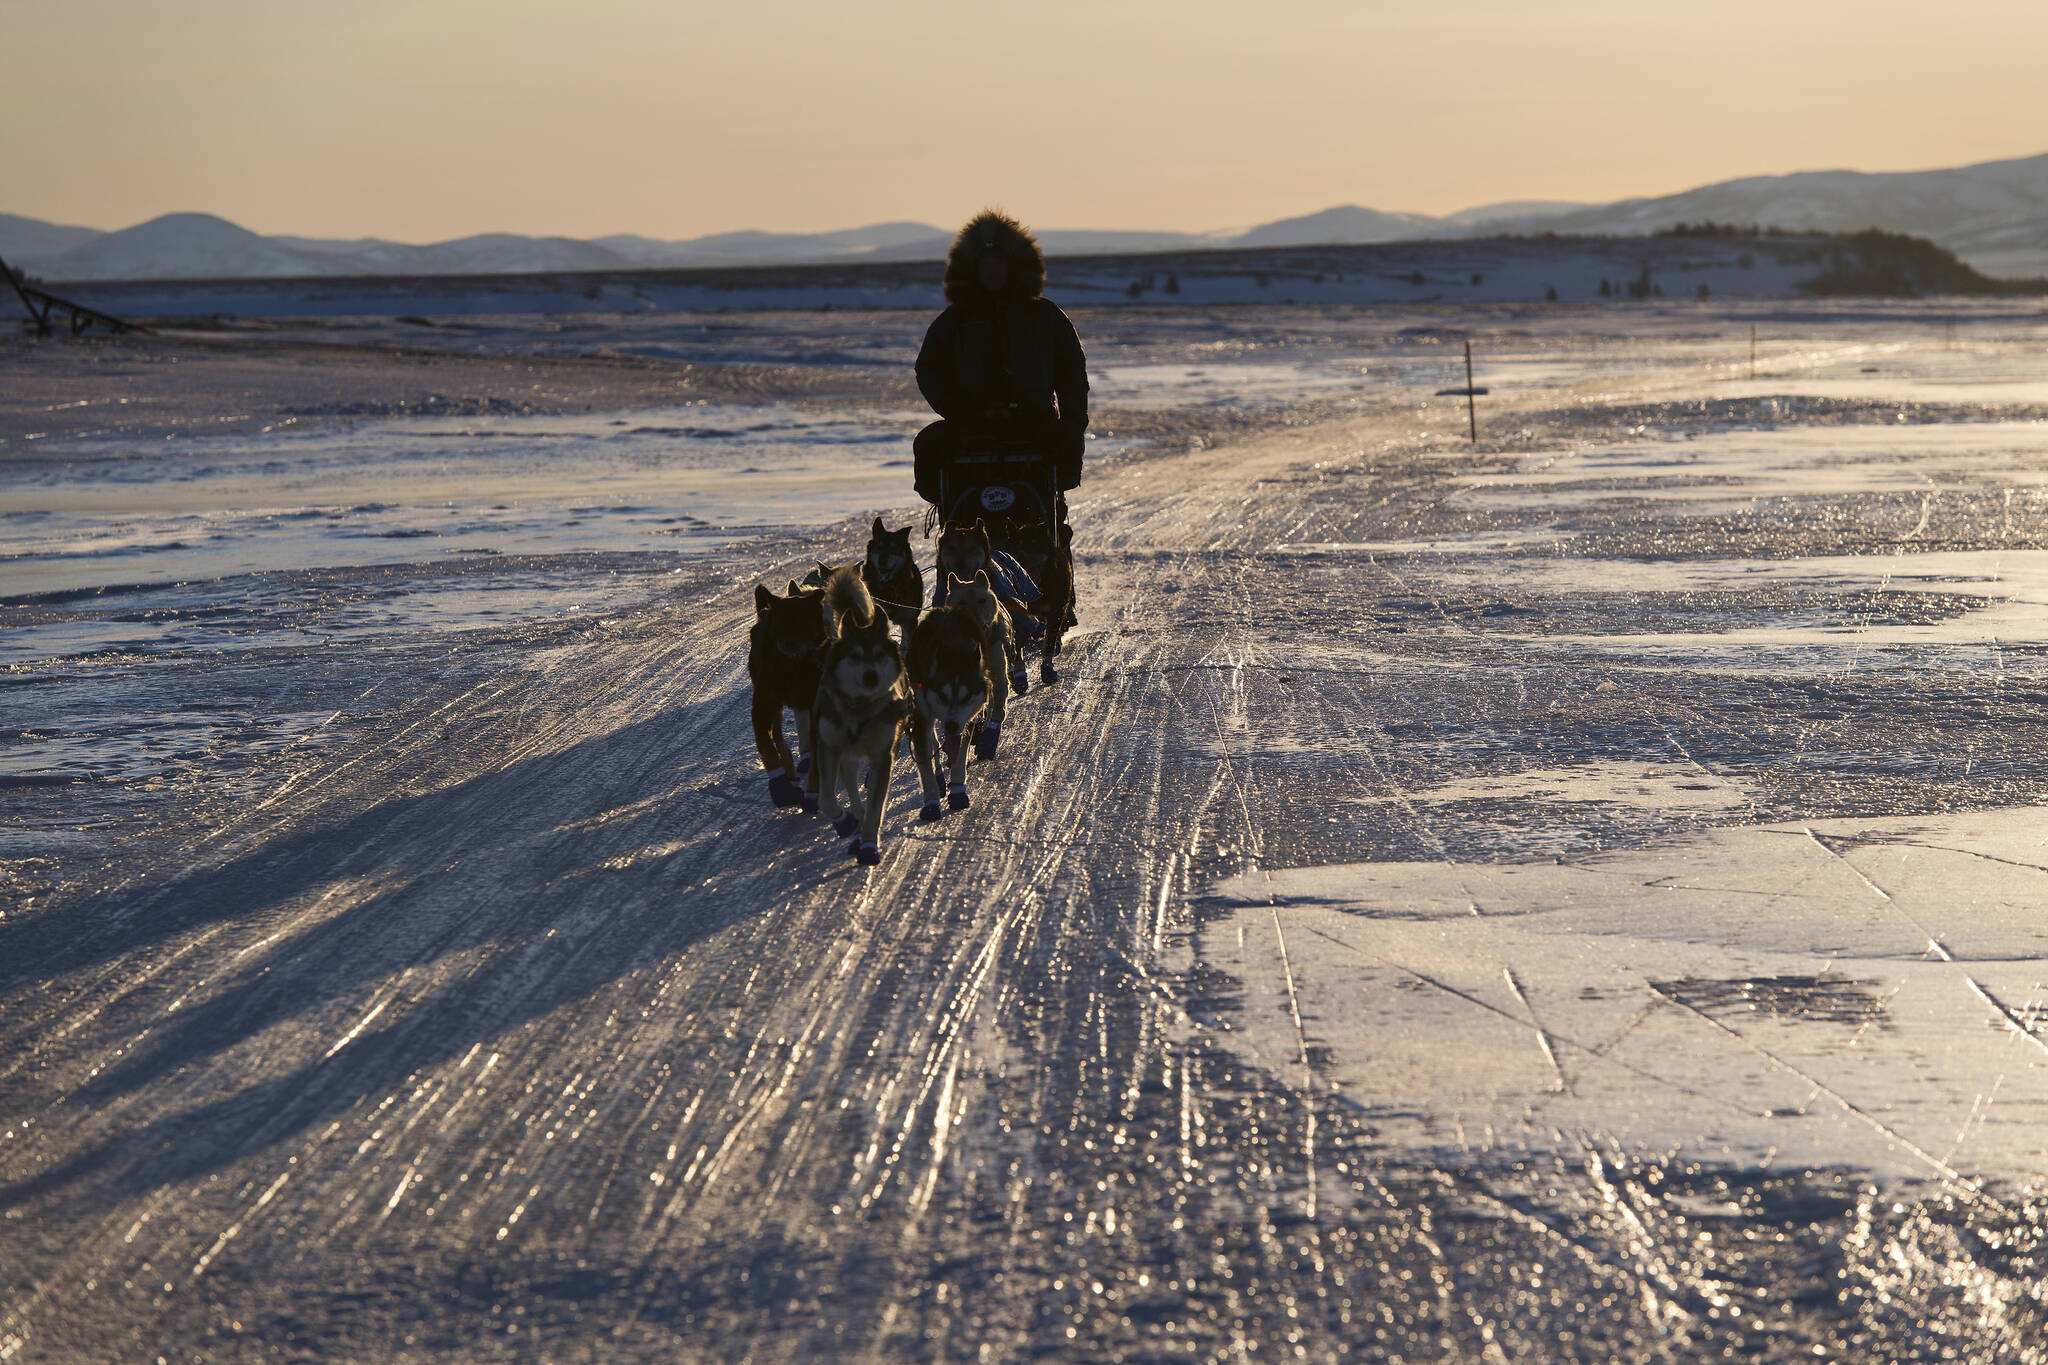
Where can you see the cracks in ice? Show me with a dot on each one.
(1970, 1189)
(1519, 1022)
(1564, 1083)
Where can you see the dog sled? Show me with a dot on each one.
(1012, 488)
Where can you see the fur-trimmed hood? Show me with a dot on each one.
(992, 231)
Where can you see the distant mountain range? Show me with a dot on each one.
(202, 246)
(1994, 215)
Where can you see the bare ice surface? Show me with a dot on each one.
(369, 492)
(1580, 895)
(1667, 997)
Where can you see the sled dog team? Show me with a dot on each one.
(825, 651)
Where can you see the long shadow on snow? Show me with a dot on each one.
(598, 913)
(114, 924)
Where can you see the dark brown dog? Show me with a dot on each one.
(955, 683)
(785, 654)
(892, 576)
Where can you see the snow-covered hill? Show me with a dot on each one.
(177, 245)
(30, 238)
(880, 241)
(1523, 209)
(1348, 225)
(491, 253)
(1994, 215)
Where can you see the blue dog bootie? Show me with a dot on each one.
(865, 853)
(956, 797)
(803, 764)
(1047, 674)
(930, 812)
(845, 825)
(784, 791)
(1020, 682)
(985, 742)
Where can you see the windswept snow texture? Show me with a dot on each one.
(1578, 895)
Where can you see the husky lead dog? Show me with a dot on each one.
(863, 701)
(979, 600)
(785, 650)
(954, 680)
(893, 577)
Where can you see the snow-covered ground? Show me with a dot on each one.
(1575, 895)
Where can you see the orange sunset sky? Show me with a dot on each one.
(436, 118)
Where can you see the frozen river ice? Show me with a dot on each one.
(1579, 896)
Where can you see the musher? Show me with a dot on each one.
(1002, 362)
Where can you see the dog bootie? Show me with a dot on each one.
(845, 825)
(810, 803)
(803, 764)
(1020, 682)
(1047, 674)
(956, 798)
(930, 812)
(865, 853)
(784, 792)
(985, 742)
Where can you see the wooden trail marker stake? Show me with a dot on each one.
(1470, 393)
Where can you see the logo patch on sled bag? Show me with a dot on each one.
(998, 497)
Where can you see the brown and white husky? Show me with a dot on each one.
(862, 703)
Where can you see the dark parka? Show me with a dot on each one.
(1008, 358)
